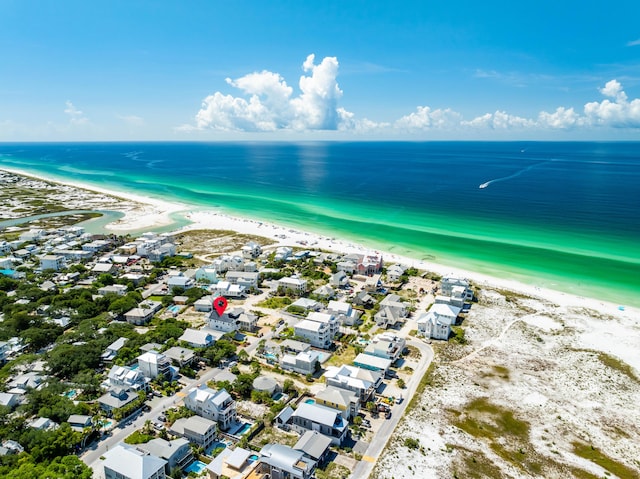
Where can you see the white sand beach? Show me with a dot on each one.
(544, 341)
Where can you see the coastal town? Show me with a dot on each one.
(312, 355)
(215, 354)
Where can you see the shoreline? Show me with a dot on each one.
(149, 213)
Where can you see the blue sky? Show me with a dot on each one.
(295, 70)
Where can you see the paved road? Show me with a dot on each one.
(158, 405)
(363, 468)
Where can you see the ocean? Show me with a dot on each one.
(560, 215)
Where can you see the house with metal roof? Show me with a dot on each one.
(314, 417)
(284, 462)
(314, 445)
(176, 453)
(129, 462)
(218, 405)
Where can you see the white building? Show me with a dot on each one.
(127, 378)
(128, 462)
(304, 362)
(218, 405)
(319, 329)
(386, 346)
(294, 284)
(437, 322)
(362, 382)
(52, 261)
(153, 364)
(449, 282)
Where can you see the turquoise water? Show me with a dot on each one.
(243, 430)
(196, 466)
(310, 401)
(557, 215)
(175, 308)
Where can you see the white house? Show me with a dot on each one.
(319, 329)
(344, 312)
(143, 313)
(251, 250)
(198, 430)
(52, 261)
(305, 362)
(283, 253)
(437, 322)
(386, 345)
(198, 338)
(449, 282)
(294, 284)
(339, 279)
(278, 461)
(183, 282)
(118, 289)
(363, 382)
(126, 378)
(228, 290)
(227, 322)
(153, 364)
(218, 405)
(394, 272)
(125, 461)
(248, 279)
(325, 420)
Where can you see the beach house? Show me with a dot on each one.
(218, 405)
(304, 362)
(153, 364)
(283, 462)
(293, 284)
(362, 382)
(314, 417)
(199, 430)
(126, 461)
(437, 322)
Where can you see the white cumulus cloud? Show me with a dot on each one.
(269, 103)
(562, 118)
(426, 118)
(499, 120)
(76, 117)
(619, 113)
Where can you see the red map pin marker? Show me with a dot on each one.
(220, 304)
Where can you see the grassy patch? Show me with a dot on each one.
(277, 302)
(592, 454)
(344, 355)
(272, 435)
(473, 464)
(620, 366)
(333, 471)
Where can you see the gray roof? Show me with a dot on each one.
(199, 425)
(317, 413)
(131, 462)
(285, 414)
(282, 457)
(238, 457)
(162, 448)
(313, 444)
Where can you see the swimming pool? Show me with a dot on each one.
(71, 394)
(244, 429)
(253, 457)
(195, 466)
(271, 356)
(175, 308)
(310, 401)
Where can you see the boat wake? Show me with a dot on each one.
(516, 174)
